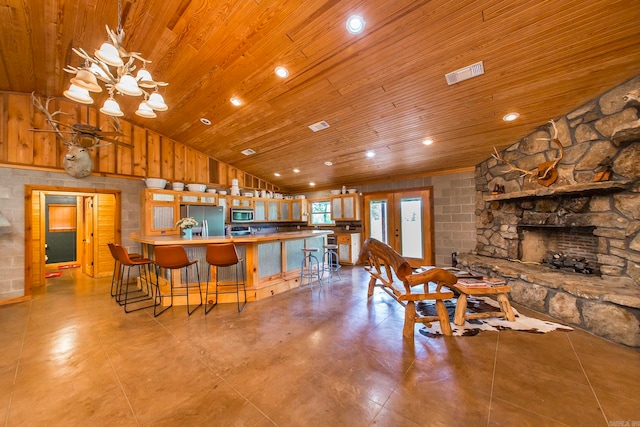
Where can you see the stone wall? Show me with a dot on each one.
(602, 128)
(606, 127)
(12, 200)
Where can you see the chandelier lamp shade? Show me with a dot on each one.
(113, 66)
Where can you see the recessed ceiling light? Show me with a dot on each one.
(328, 163)
(248, 152)
(205, 121)
(235, 101)
(355, 24)
(370, 154)
(312, 184)
(296, 170)
(510, 117)
(428, 141)
(276, 174)
(282, 72)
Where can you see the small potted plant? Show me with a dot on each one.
(186, 225)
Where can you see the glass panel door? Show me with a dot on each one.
(411, 228)
(379, 220)
(404, 221)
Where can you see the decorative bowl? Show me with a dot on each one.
(178, 186)
(211, 190)
(335, 192)
(155, 182)
(352, 191)
(199, 188)
(247, 194)
(222, 192)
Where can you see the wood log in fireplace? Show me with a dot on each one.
(565, 262)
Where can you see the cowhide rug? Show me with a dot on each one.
(475, 326)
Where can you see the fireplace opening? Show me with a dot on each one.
(565, 248)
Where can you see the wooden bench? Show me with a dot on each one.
(383, 263)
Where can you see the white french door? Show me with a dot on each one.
(404, 221)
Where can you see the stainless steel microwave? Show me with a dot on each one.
(241, 215)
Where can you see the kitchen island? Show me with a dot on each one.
(271, 262)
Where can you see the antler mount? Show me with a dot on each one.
(546, 173)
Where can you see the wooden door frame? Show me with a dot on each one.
(29, 222)
(427, 213)
(88, 215)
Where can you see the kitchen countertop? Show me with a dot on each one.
(249, 238)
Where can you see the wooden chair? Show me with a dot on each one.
(383, 262)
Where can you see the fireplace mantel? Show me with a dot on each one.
(565, 190)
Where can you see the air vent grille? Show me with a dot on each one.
(248, 152)
(465, 73)
(319, 126)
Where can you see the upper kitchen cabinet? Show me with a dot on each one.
(259, 210)
(240, 202)
(345, 207)
(273, 209)
(193, 198)
(298, 210)
(160, 212)
(284, 210)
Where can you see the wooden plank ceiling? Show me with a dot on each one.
(383, 90)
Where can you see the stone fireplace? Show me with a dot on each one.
(519, 221)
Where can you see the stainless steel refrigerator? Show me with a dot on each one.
(210, 219)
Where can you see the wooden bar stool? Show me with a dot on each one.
(308, 260)
(174, 257)
(143, 264)
(225, 255)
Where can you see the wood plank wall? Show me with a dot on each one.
(143, 153)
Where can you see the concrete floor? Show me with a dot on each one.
(322, 357)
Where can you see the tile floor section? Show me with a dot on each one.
(310, 357)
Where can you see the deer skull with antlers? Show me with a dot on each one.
(546, 173)
(79, 140)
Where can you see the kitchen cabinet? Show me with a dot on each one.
(299, 210)
(348, 247)
(191, 198)
(345, 207)
(273, 208)
(284, 210)
(160, 212)
(259, 210)
(240, 202)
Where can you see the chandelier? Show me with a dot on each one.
(114, 66)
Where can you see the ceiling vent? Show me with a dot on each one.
(248, 152)
(319, 126)
(465, 73)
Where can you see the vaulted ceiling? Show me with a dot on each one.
(382, 90)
